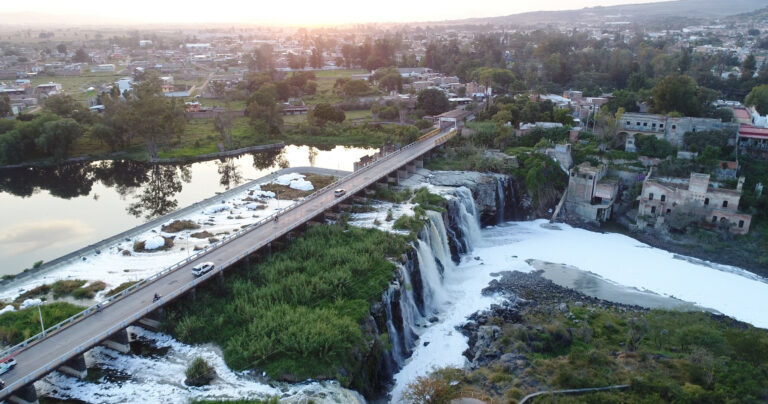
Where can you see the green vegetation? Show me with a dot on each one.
(199, 373)
(179, 225)
(299, 312)
(123, 286)
(16, 326)
(684, 357)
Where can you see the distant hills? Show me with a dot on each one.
(684, 9)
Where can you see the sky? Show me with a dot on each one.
(292, 12)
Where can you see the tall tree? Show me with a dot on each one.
(432, 102)
(758, 98)
(153, 116)
(58, 136)
(676, 93)
(264, 112)
(325, 112)
(5, 105)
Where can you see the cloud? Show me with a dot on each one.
(25, 237)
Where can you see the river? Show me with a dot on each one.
(48, 212)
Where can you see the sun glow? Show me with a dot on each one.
(292, 12)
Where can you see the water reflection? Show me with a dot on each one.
(82, 203)
(156, 197)
(229, 172)
(152, 186)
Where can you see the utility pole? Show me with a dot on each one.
(40, 312)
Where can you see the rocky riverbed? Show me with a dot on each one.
(524, 293)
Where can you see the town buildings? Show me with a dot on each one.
(672, 201)
(665, 127)
(591, 194)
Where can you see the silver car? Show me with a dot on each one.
(200, 269)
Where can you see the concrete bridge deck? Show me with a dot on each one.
(47, 353)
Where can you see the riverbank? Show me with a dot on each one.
(544, 337)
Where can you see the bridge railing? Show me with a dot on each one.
(225, 240)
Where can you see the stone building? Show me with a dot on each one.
(590, 194)
(671, 129)
(693, 198)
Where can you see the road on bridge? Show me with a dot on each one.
(43, 356)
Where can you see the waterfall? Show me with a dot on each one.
(438, 239)
(434, 294)
(500, 198)
(468, 219)
(403, 315)
(418, 292)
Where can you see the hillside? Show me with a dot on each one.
(633, 12)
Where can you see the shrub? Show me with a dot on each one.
(179, 225)
(66, 287)
(123, 286)
(199, 373)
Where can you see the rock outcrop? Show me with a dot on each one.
(495, 195)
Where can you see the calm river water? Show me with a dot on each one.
(48, 212)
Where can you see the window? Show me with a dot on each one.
(706, 201)
(663, 198)
(669, 211)
(725, 204)
(645, 123)
(590, 177)
(653, 125)
(629, 123)
(674, 127)
(714, 219)
(573, 174)
(661, 125)
(638, 124)
(741, 224)
(653, 209)
(650, 196)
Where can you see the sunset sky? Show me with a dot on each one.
(294, 12)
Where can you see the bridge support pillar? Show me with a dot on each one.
(25, 395)
(410, 168)
(119, 341)
(392, 179)
(419, 163)
(75, 367)
(153, 320)
(402, 173)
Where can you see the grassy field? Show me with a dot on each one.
(76, 85)
(359, 115)
(200, 137)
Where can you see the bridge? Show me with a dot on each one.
(61, 347)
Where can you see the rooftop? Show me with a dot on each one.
(750, 131)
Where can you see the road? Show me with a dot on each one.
(49, 353)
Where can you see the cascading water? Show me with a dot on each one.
(419, 293)
(500, 204)
(434, 295)
(467, 217)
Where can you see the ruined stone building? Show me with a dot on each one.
(695, 197)
(591, 194)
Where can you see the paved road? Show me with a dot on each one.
(36, 360)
